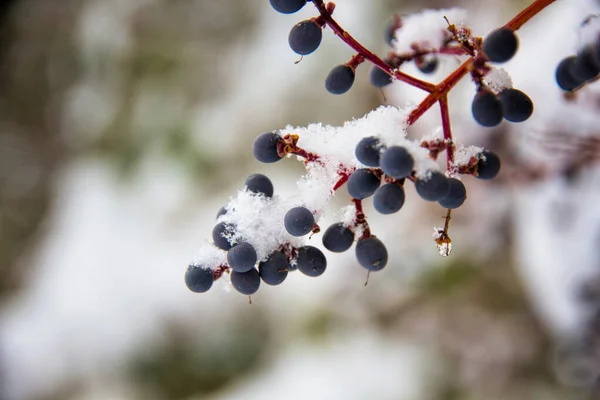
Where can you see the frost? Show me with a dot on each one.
(498, 80)
(426, 29)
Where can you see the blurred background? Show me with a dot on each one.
(126, 124)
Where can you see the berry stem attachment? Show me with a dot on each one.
(361, 219)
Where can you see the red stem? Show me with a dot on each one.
(521, 18)
(344, 175)
(447, 129)
(378, 62)
(442, 88)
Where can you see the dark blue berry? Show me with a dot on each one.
(379, 78)
(516, 105)
(427, 65)
(242, 257)
(368, 151)
(287, 6)
(265, 147)
(488, 165)
(389, 198)
(220, 234)
(371, 253)
(586, 65)
(564, 75)
(433, 188)
(500, 45)
(338, 238)
(363, 183)
(397, 162)
(390, 33)
(274, 270)
(259, 183)
(456, 195)
(305, 37)
(246, 282)
(311, 261)
(299, 221)
(340, 79)
(222, 211)
(198, 278)
(487, 108)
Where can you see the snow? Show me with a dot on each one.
(259, 220)
(463, 154)
(427, 29)
(498, 79)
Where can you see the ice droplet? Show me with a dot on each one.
(444, 249)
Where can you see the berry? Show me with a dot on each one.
(456, 195)
(564, 75)
(516, 105)
(488, 165)
(500, 45)
(390, 31)
(198, 278)
(311, 261)
(242, 257)
(305, 37)
(435, 187)
(287, 6)
(585, 67)
(368, 151)
(379, 78)
(362, 183)
(487, 108)
(338, 238)
(265, 147)
(397, 162)
(340, 79)
(222, 211)
(274, 270)
(246, 282)
(220, 234)
(389, 198)
(371, 253)
(259, 183)
(427, 65)
(299, 221)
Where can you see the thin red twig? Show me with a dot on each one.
(353, 43)
(447, 129)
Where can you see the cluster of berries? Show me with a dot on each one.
(489, 108)
(258, 236)
(575, 71)
(392, 165)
